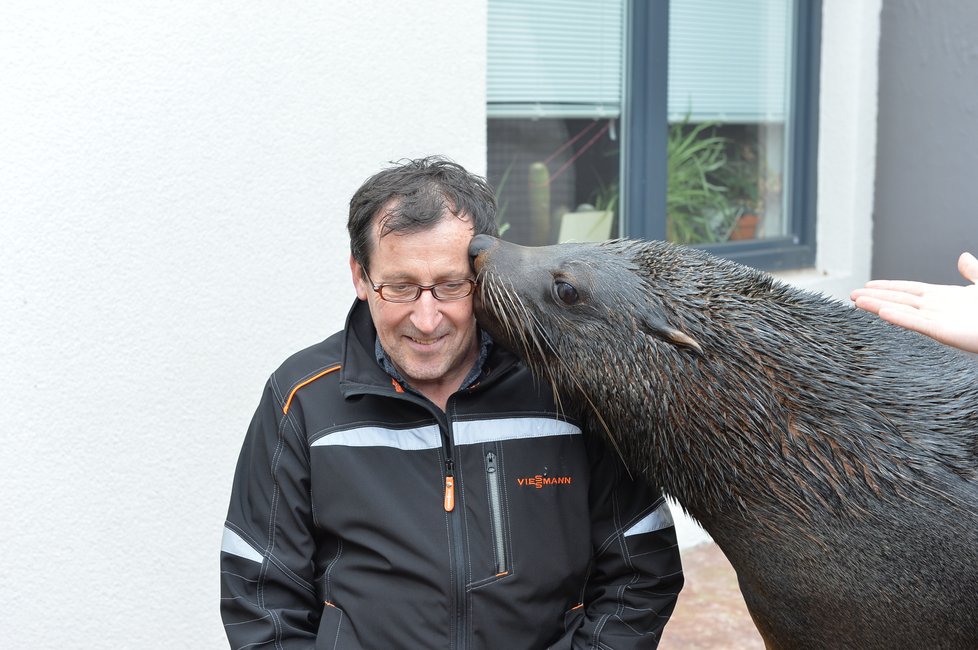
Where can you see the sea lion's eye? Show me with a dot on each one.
(566, 293)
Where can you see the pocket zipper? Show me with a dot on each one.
(496, 512)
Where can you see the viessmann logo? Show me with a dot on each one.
(539, 481)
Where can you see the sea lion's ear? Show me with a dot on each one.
(658, 328)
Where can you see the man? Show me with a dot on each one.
(406, 483)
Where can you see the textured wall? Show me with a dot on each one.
(173, 188)
(926, 210)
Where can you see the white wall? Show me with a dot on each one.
(173, 187)
(847, 147)
(174, 183)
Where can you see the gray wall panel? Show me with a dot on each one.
(926, 197)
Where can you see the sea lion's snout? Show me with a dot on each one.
(480, 245)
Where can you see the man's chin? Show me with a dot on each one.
(423, 374)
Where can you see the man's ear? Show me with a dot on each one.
(359, 280)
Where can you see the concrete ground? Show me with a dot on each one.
(710, 614)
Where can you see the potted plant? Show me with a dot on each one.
(740, 177)
(696, 208)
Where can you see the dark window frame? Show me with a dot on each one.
(643, 164)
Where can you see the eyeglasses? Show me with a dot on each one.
(408, 292)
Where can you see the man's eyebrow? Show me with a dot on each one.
(407, 278)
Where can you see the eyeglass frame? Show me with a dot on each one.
(421, 288)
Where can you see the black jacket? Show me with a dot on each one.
(362, 516)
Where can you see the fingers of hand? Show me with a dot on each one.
(868, 303)
(957, 330)
(872, 299)
(906, 317)
(903, 286)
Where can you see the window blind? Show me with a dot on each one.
(563, 58)
(554, 58)
(728, 61)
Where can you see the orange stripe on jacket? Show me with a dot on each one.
(288, 402)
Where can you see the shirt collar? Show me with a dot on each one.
(485, 345)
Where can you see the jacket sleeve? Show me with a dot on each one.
(636, 573)
(267, 592)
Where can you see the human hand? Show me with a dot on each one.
(946, 313)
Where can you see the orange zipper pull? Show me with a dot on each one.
(449, 501)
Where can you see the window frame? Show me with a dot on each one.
(644, 115)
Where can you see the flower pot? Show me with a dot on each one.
(745, 227)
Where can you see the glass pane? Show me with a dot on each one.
(556, 179)
(728, 110)
(554, 99)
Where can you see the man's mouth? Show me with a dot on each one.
(426, 341)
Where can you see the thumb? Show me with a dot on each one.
(968, 266)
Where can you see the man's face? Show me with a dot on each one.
(432, 343)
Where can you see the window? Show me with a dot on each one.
(554, 93)
(688, 120)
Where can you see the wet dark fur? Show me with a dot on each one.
(833, 457)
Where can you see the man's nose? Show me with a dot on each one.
(426, 313)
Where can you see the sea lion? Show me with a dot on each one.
(832, 457)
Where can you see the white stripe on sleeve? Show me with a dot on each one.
(658, 519)
(234, 544)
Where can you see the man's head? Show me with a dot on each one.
(413, 195)
(411, 224)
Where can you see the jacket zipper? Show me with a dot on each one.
(496, 513)
(458, 552)
(449, 498)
